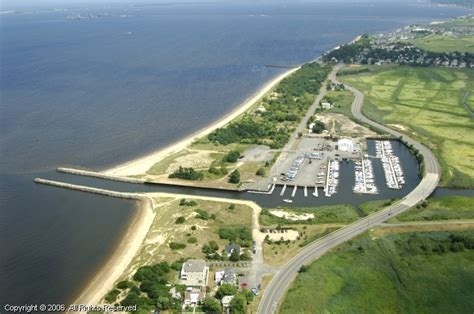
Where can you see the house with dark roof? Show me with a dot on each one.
(231, 248)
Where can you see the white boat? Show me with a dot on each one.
(287, 201)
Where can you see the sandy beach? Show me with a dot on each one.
(116, 265)
(142, 164)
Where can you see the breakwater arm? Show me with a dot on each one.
(82, 188)
(99, 175)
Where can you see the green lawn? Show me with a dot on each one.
(427, 102)
(441, 208)
(440, 43)
(397, 273)
(341, 100)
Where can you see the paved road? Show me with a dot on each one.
(291, 146)
(276, 290)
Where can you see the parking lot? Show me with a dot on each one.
(301, 166)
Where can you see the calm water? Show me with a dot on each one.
(344, 195)
(100, 91)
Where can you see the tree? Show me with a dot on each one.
(211, 305)
(232, 156)
(248, 294)
(187, 174)
(234, 256)
(318, 127)
(234, 177)
(260, 172)
(210, 248)
(238, 305)
(226, 289)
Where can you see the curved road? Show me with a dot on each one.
(276, 290)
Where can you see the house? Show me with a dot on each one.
(326, 105)
(194, 295)
(175, 293)
(226, 276)
(226, 301)
(231, 248)
(194, 273)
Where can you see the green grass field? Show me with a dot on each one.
(397, 273)
(440, 43)
(427, 103)
(441, 208)
(341, 100)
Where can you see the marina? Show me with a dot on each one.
(394, 175)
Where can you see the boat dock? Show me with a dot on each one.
(364, 177)
(391, 164)
(294, 191)
(332, 178)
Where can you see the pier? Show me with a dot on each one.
(294, 191)
(315, 194)
(391, 165)
(305, 191)
(283, 190)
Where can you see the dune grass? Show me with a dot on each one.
(428, 103)
(393, 274)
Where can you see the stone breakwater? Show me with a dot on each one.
(99, 175)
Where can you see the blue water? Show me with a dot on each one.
(96, 92)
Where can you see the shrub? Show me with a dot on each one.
(202, 214)
(187, 174)
(180, 220)
(177, 246)
(192, 240)
(260, 172)
(112, 296)
(124, 285)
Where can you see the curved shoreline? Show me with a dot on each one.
(108, 273)
(141, 164)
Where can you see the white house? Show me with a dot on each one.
(193, 295)
(345, 145)
(226, 301)
(194, 273)
(326, 105)
(225, 276)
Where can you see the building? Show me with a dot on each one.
(326, 105)
(194, 273)
(193, 295)
(345, 145)
(231, 248)
(226, 276)
(226, 301)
